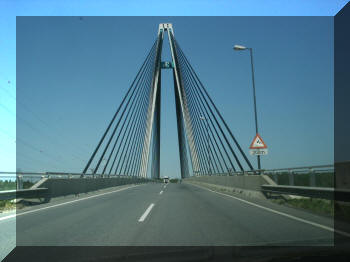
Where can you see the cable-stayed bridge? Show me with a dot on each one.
(131, 143)
(118, 199)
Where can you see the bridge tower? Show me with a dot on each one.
(184, 126)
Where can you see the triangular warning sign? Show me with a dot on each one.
(257, 143)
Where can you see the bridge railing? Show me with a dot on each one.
(23, 184)
(307, 181)
(313, 176)
(16, 180)
(24, 180)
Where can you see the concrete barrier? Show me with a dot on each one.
(245, 185)
(248, 182)
(64, 186)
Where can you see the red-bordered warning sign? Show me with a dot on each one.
(258, 143)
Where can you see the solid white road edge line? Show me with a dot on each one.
(282, 214)
(7, 217)
(148, 210)
(65, 203)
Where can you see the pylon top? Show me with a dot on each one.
(166, 26)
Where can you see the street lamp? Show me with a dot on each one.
(242, 48)
(207, 127)
(239, 47)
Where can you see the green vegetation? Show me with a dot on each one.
(315, 205)
(7, 185)
(321, 179)
(6, 205)
(320, 206)
(10, 185)
(27, 184)
(174, 180)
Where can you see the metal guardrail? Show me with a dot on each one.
(23, 193)
(292, 172)
(295, 170)
(308, 191)
(319, 168)
(36, 176)
(277, 171)
(33, 177)
(57, 175)
(313, 192)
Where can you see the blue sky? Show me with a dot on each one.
(64, 105)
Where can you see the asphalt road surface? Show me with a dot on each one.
(175, 214)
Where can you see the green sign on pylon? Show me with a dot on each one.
(166, 65)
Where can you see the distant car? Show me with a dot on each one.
(166, 179)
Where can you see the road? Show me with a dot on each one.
(176, 214)
(7, 233)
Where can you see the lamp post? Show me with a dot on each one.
(242, 48)
(207, 127)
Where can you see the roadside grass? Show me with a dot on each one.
(315, 205)
(6, 205)
(174, 180)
